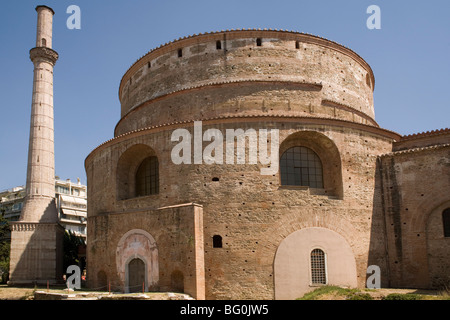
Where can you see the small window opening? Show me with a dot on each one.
(215, 179)
(297, 44)
(368, 80)
(446, 222)
(218, 44)
(318, 272)
(180, 53)
(259, 42)
(217, 241)
(149, 64)
(44, 42)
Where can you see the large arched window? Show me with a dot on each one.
(147, 177)
(446, 222)
(318, 268)
(300, 166)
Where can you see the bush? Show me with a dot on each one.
(335, 291)
(360, 296)
(399, 296)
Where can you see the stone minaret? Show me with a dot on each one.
(36, 240)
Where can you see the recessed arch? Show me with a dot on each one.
(177, 281)
(327, 152)
(438, 246)
(137, 244)
(127, 167)
(102, 280)
(292, 264)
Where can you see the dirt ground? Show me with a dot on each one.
(15, 293)
(12, 293)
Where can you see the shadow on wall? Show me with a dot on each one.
(408, 241)
(378, 253)
(37, 250)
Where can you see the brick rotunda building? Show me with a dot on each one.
(343, 194)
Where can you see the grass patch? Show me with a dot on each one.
(336, 293)
(339, 293)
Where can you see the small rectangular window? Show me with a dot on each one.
(446, 222)
(180, 53)
(259, 42)
(297, 44)
(218, 45)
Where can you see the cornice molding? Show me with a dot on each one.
(242, 34)
(253, 118)
(44, 53)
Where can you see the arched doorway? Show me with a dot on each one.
(136, 275)
(102, 280)
(137, 260)
(437, 250)
(177, 281)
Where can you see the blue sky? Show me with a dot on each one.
(410, 56)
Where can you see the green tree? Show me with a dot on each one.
(71, 244)
(5, 247)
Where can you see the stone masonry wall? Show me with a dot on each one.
(251, 212)
(415, 194)
(178, 232)
(317, 93)
(283, 58)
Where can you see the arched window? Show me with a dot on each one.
(177, 281)
(102, 281)
(318, 269)
(147, 177)
(217, 241)
(446, 222)
(43, 42)
(300, 166)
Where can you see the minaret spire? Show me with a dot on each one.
(39, 203)
(36, 239)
